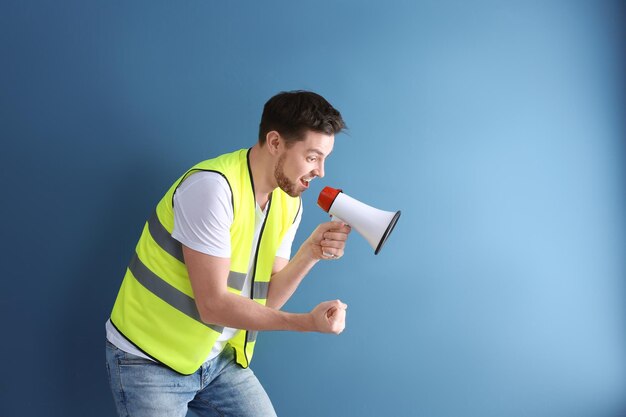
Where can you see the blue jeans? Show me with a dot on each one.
(143, 388)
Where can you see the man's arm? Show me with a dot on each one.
(327, 241)
(216, 305)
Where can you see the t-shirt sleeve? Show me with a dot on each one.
(203, 214)
(284, 250)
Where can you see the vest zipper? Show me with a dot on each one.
(256, 257)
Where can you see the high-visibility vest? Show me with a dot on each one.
(155, 307)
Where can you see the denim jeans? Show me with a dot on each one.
(143, 388)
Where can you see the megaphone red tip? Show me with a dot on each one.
(327, 197)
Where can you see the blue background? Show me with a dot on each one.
(495, 126)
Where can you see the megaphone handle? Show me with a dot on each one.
(336, 219)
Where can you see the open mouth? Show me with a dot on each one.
(305, 182)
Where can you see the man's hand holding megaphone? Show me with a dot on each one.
(327, 241)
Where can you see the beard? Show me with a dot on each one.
(281, 179)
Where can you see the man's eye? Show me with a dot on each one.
(311, 159)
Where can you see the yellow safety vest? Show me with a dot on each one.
(155, 307)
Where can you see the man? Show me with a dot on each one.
(213, 259)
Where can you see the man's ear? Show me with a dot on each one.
(274, 142)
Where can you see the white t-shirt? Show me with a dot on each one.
(203, 214)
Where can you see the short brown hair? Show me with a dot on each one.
(293, 113)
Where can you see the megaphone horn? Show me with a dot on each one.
(373, 224)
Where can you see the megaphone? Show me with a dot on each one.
(373, 224)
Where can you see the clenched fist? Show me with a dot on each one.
(330, 317)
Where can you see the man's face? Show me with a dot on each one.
(303, 161)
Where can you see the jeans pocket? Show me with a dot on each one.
(125, 358)
(130, 359)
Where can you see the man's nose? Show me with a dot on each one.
(320, 170)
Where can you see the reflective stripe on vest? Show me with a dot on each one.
(179, 300)
(155, 308)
